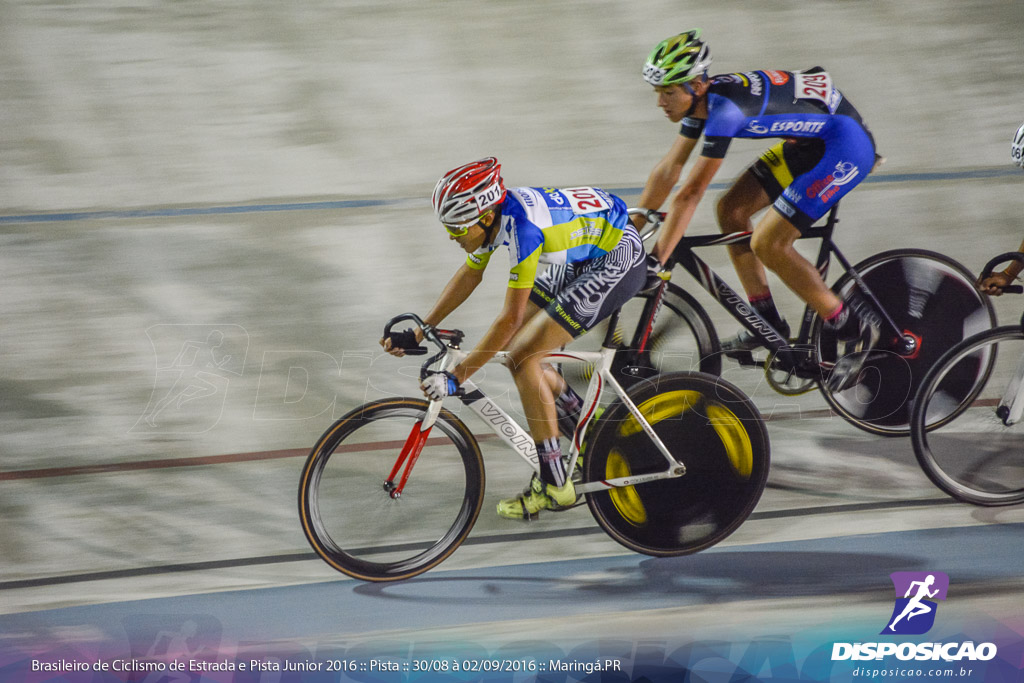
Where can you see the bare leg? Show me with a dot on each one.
(552, 488)
(735, 209)
(555, 380)
(537, 338)
(772, 243)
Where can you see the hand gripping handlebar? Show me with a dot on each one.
(443, 339)
(1003, 258)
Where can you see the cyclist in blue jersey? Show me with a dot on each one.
(826, 150)
(595, 263)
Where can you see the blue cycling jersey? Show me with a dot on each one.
(790, 104)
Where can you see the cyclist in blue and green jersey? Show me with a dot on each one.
(560, 227)
(595, 263)
(826, 150)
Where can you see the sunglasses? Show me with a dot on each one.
(460, 230)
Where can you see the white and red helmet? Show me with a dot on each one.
(465, 193)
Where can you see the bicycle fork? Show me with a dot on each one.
(410, 452)
(1011, 406)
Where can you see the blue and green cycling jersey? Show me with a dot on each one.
(548, 225)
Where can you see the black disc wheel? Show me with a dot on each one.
(933, 302)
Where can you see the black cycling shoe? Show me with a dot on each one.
(746, 341)
(855, 353)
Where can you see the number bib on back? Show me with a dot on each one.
(816, 86)
(584, 200)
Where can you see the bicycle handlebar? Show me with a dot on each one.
(441, 338)
(653, 218)
(1002, 258)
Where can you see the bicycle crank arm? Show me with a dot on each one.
(622, 482)
(743, 358)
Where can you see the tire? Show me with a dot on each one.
(348, 514)
(927, 294)
(683, 340)
(973, 456)
(713, 429)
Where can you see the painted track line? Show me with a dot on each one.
(486, 539)
(343, 204)
(205, 460)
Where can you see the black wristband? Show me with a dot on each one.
(404, 340)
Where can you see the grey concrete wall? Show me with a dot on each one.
(146, 103)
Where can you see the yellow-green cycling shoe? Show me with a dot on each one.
(537, 496)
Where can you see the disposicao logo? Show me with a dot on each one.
(916, 595)
(914, 614)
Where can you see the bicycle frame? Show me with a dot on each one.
(736, 304)
(1011, 405)
(511, 432)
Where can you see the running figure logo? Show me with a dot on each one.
(916, 593)
(194, 366)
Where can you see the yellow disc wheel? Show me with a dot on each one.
(625, 499)
(710, 428)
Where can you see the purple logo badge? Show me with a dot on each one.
(916, 595)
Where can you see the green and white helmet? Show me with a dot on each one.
(678, 59)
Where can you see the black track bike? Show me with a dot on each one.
(927, 303)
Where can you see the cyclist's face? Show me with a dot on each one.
(475, 235)
(674, 100)
(472, 240)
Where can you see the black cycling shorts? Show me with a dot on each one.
(781, 163)
(580, 295)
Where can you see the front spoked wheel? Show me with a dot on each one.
(933, 301)
(977, 456)
(710, 427)
(348, 505)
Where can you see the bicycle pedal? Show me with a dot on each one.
(743, 357)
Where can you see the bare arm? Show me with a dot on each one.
(684, 204)
(664, 176)
(498, 336)
(458, 289)
(996, 282)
